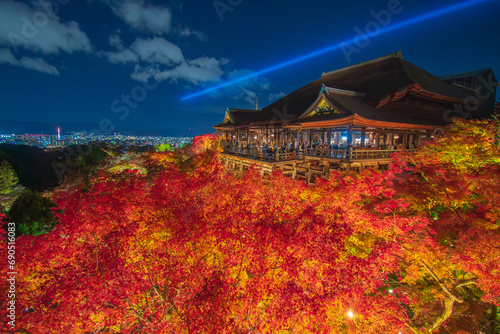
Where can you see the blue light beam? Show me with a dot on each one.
(407, 23)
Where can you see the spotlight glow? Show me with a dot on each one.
(389, 28)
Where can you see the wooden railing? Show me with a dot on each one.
(343, 154)
(351, 153)
(264, 154)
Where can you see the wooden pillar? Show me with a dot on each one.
(417, 139)
(377, 138)
(248, 137)
(405, 138)
(363, 137)
(329, 137)
(309, 137)
(267, 135)
(237, 137)
(349, 135)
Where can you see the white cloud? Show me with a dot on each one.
(162, 60)
(39, 65)
(157, 58)
(152, 51)
(115, 40)
(196, 71)
(142, 16)
(187, 32)
(199, 70)
(274, 97)
(39, 30)
(35, 64)
(143, 74)
(7, 57)
(122, 57)
(157, 51)
(156, 20)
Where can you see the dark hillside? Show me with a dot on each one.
(33, 165)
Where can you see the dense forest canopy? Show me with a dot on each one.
(185, 247)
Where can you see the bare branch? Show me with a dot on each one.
(465, 282)
(448, 310)
(450, 294)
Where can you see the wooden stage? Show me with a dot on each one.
(310, 164)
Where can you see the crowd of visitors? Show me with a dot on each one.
(265, 149)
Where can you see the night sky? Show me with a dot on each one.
(133, 61)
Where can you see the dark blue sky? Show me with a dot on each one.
(132, 61)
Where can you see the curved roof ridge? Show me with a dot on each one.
(242, 110)
(338, 91)
(429, 81)
(471, 73)
(398, 54)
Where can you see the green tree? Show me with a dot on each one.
(163, 147)
(8, 178)
(32, 213)
(95, 156)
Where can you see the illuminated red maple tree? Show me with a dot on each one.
(189, 248)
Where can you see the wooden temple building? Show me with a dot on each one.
(351, 118)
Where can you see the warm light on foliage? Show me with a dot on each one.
(190, 248)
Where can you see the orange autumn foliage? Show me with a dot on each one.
(191, 248)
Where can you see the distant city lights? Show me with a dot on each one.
(57, 141)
